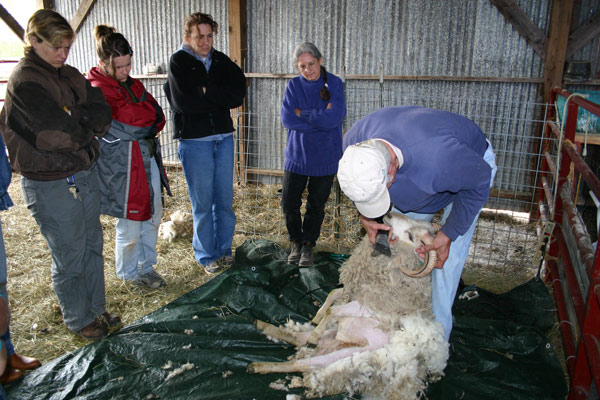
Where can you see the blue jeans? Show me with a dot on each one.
(3, 292)
(208, 169)
(319, 188)
(135, 242)
(444, 281)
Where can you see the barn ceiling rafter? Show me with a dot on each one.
(534, 35)
(561, 43)
(80, 15)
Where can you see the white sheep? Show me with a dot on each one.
(377, 335)
(181, 224)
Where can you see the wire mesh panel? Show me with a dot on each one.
(505, 237)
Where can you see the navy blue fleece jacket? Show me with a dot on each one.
(314, 142)
(443, 161)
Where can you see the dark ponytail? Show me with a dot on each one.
(110, 44)
(325, 95)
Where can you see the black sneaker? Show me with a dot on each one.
(295, 250)
(306, 258)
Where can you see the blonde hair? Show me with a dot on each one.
(49, 26)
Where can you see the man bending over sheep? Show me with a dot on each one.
(419, 161)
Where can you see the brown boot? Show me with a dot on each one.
(11, 375)
(110, 320)
(21, 362)
(307, 258)
(295, 250)
(95, 330)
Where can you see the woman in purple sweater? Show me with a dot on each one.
(313, 110)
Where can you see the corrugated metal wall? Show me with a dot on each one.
(440, 38)
(153, 28)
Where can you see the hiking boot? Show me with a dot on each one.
(306, 258)
(150, 279)
(295, 250)
(95, 330)
(110, 320)
(226, 261)
(212, 268)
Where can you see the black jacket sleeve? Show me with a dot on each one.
(227, 85)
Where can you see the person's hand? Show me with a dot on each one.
(372, 226)
(204, 89)
(441, 244)
(298, 111)
(329, 106)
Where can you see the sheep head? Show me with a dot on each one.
(414, 233)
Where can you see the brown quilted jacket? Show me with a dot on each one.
(50, 120)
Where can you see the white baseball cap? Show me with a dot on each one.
(362, 175)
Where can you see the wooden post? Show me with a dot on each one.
(238, 52)
(556, 50)
(12, 23)
(81, 14)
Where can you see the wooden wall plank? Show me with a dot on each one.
(556, 51)
(238, 43)
(81, 14)
(12, 23)
(523, 24)
(586, 32)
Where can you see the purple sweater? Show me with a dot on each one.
(314, 142)
(443, 161)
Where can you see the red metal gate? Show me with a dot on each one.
(572, 262)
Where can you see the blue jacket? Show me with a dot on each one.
(443, 161)
(314, 142)
(5, 177)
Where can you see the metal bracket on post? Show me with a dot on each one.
(381, 85)
(542, 245)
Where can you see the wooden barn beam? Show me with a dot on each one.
(523, 25)
(238, 52)
(238, 43)
(586, 32)
(44, 4)
(12, 23)
(81, 14)
(556, 50)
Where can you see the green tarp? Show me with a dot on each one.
(198, 346)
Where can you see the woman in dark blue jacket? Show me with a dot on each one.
(313, 111)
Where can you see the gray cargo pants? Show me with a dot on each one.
(70, 223)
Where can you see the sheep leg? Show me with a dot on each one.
(296, 338)
(284, 367)
(305, 364)
(322, 327)
(333, 296)
(352, 309)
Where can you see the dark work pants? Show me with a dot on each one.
(319, 188)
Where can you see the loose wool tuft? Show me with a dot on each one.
(181, 224)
